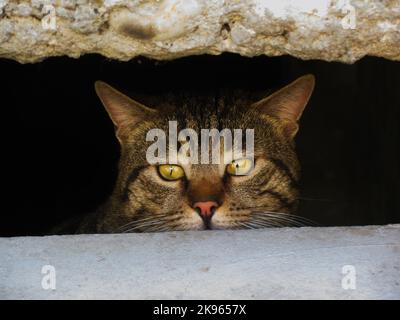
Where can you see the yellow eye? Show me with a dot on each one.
(239, 167)
(171, 172)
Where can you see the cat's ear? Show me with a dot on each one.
(288, 103)
(124, 112)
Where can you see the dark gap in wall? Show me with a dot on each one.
(61, 153)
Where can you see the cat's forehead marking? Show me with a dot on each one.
(202, 171)
(213, 121)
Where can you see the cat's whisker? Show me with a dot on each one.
(246, 225)
(270, 223)
(136, 226)
(300, 219)
(260, 225)
(160, 225)
(278, 219)
(129, 224)
(145, 222)
(256, 224)
(145, 225)
(290, 216)
(281, 221)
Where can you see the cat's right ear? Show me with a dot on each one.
(288, 103)
(124, 112)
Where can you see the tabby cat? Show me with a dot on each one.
(150, 198)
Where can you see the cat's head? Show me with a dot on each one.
(187, 196)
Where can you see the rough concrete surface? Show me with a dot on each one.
(337, 30)
(286, 263)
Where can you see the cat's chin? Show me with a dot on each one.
(218, 227)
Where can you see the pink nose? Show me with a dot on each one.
(205, 209)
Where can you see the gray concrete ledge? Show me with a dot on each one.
(287, 263)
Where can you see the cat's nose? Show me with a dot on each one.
(205, 209)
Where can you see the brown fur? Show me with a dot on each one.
(143, 202)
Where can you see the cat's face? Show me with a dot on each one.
(186, 196)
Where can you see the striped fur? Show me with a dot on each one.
(143, 202)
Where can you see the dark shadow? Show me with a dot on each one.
(61, 153)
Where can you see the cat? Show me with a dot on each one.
(169, 197)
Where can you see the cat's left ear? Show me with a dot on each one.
(287, 104)
(124, 112)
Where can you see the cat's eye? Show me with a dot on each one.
(171, 172)
(239, 167)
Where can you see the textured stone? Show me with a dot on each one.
(341, 30)
(285, 263)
